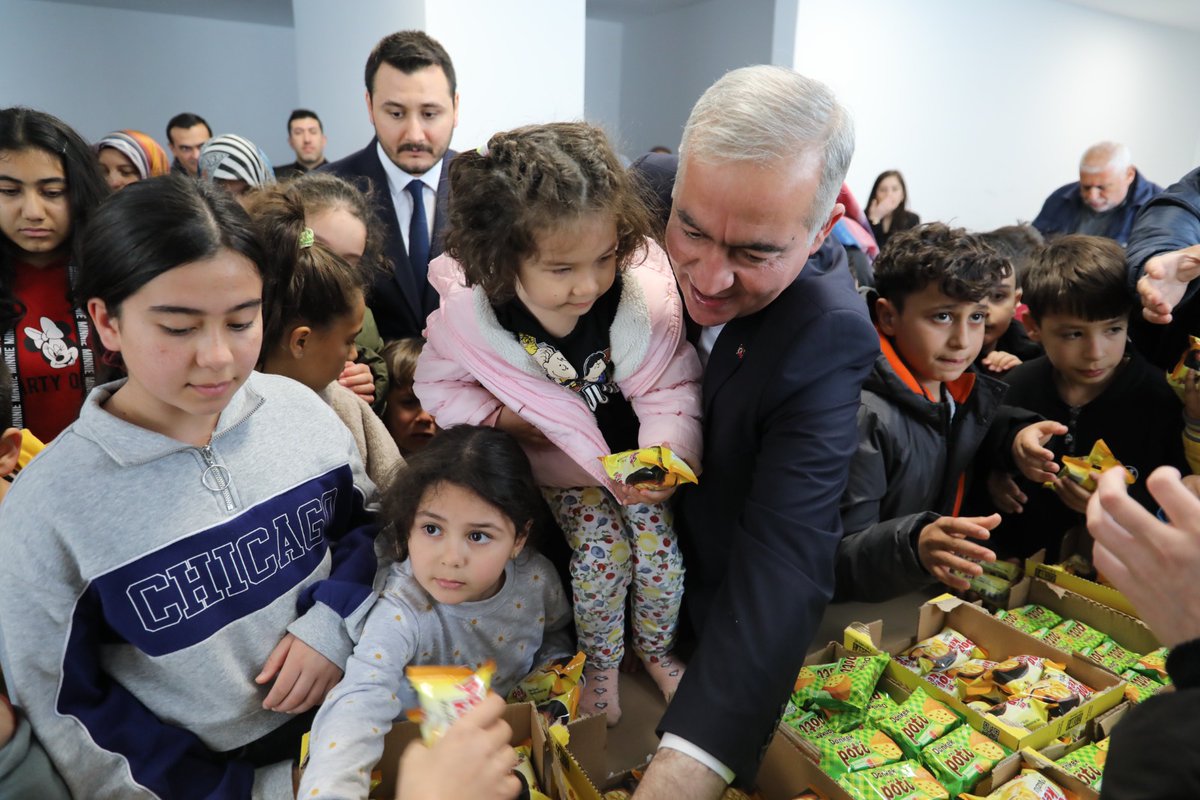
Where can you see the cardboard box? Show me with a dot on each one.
(1129, 632)
(1012, 766)
(1052, 573)
(1000, 641)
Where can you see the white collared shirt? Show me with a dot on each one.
(707, 341)
(398, 180)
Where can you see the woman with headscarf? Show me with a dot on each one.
(130, 156)
(235, 163)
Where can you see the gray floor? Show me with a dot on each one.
(632, 741)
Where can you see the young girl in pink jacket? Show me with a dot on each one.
(560, 322)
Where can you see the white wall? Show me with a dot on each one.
(602, 74)
(670, 58)
(102, 69)
(518, 62)
(987, 107)
(331, 48)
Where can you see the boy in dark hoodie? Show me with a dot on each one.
(1091, 384)
(925, 417)
(1005, 342)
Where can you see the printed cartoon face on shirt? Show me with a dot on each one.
(459, 544)
(56, 347)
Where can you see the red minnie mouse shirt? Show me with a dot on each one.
(49, 375)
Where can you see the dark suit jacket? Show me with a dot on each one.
(761, 531)
(399, 305)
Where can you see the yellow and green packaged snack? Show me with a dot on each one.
(811, 725)
(1111, 656)
(941, 652)
(553, 688)
(1154, 665)
(851, 683)
(447, 693)
(1087, 763)
(961, 758)
(1080, 469)
(973, 681)
(1138, 687)
(1021, 714)
(1030, 618)
(524, 773)
(809, 681)
(879, 706)
(1029, 785)
(1059, 690)
(919, 721)
(1072, 635)
(1188, 362)
(991, 588)
(649, 467)
(904, 780)
(855, 750)
(1015, 675)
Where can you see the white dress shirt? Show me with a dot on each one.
(398, 181)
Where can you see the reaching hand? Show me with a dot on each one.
(1000, 361)
(473, 761)
(942, 548)
(302, 676)
(1165, 280)
(1029, 453)
(1153, 563)
(1005, 493)
(358, 379)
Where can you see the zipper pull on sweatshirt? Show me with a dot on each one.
(216, 477)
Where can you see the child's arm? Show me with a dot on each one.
(943, 548)
(25, 771)
(347, 734)
(668, 411)
(450, 393)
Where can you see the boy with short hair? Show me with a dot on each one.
(925, 417)
(1090, 383)
(1005, 342)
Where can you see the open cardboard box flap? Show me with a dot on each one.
(1012, 766)
(1052, 573)
(1000, 641)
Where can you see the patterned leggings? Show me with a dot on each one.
(613, 546)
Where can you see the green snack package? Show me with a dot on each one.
(905, 780)
(1154, 665)
(879, 706)
(1138, 686)
(919, 721)
(961, 758)
(991, 588)
(1087, 763)
(809, 682)
(860, 749)
(1030, 618)
(1072, 635)
(851, 684)
(811, 725)
(1007, 570)
(1111, 656)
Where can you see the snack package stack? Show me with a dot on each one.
(1072, 636)
(919, 721)
(1147, 676)
(1029, 785)
(940, 653)
(1111, 656)
(904, 780)
(445, 694)
(962, 758)
(1030, 619)
(650, 467)
(1086, 763)
(553, 688)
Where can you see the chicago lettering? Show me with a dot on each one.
(191, 586)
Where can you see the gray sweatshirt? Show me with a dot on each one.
(145, 581)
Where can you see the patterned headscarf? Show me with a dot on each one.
(233, 158)
(147, 155)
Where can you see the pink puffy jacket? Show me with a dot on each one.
(471, 367)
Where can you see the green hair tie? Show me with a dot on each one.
(306, 238)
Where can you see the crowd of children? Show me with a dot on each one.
(240, 528)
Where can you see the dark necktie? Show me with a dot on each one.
(418, 236)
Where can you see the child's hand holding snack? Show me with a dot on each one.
(1072, 493)
(943, 549)
(1029, 451)
(302, 676)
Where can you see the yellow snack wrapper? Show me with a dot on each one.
(553, 688)
(653, 467)
(524, 773)
(1188, 362)
(447, 693)
(1100, 459)
(1030, 785)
